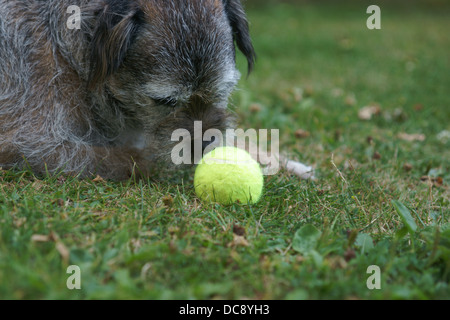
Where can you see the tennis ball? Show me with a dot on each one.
(227, 175)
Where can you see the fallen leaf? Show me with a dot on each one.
(418, 107)
(433, 181)
(368, 112)
(300, 134)
(255, 108)
(98, 179)
(407, 167)
(238, 230)
(411, 137)
(238, 241)
(40, 238)
(376, 155)
(349, 255)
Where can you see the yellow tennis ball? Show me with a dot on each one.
(227, 175)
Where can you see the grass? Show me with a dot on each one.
(379, 199)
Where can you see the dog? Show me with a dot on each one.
(105, 98)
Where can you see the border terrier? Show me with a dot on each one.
(104, 98)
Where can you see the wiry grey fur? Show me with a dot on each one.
(107, 97)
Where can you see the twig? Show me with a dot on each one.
(337, 169)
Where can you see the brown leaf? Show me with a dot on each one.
(349, 255)
(433, 181)
(238, 241)
(300, 134)
(238, 230)
(367, 112)
(40, 238)
(255, 108)
(418, 107)
(98, 179)
(411, 137)
(407, 167)
(376, 155)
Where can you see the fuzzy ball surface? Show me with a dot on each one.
(227, 175)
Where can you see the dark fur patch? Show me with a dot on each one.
(240, 27)
(117, 25)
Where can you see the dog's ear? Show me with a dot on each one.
(239, 25)
(115, 25)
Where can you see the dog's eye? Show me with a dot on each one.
(166, 102)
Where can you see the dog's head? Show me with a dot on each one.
(169, 62)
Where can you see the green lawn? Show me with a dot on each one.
(318, 66)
